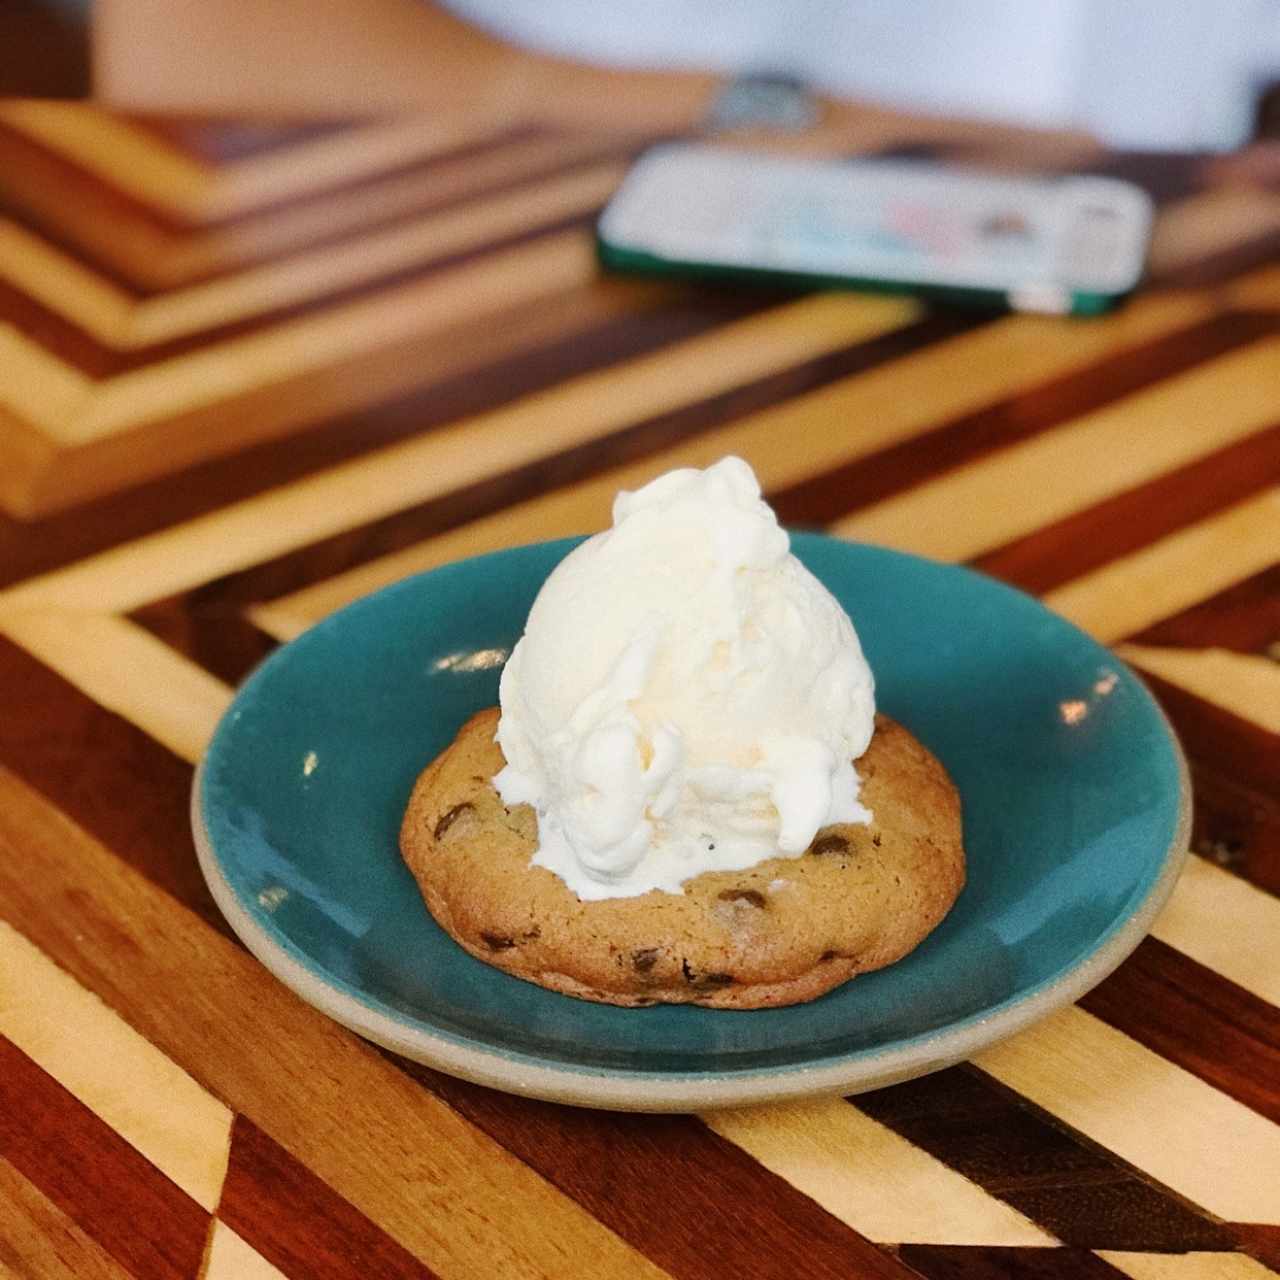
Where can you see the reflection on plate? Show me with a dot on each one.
(1075, 812)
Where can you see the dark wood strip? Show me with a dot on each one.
(1166, 176)
(1082, 1193)
(208, 631)
(367, 542)
(692, 1202)
(991, 1262)
(98, 359)
(1259, 1241)
(45, 48)
(923, 151)
(57, 335)
(104, 773)
(1244, 618)
(470, 369)
(1235, 777)
(299, 1223)
(114, 1194)
(453, 188)
(975, 435)
(38, 1241)
(1219, 268)
(445, 156)
(222, 141)
(456, 185)
(1069, 548)
(1198, 1019)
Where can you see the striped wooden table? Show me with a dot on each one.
(250, 373)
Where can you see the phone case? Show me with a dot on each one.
(701, 212)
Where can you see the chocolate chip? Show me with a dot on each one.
(712, 980)
(827, 955)
(875, 840)
(747, 897)
(448, 818)
(704, 981)
(644, 960)
(829, 844)
(496, 942)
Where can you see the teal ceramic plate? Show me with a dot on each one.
(1075, 816)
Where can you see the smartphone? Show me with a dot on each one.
(1063, 245)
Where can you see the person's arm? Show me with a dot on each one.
(361, 57)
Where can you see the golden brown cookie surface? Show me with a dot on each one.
(786, 930)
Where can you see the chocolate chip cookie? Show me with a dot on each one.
(781, 932)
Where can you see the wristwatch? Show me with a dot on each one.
(763, 100)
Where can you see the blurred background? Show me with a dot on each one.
(1200, 75)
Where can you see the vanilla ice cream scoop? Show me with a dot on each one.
(687, 696)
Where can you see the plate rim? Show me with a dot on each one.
(616, 1088)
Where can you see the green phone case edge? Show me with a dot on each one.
(635, 262)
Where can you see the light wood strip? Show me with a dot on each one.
(38, 1241)
(963, 512)
(67, 287)
(1175, 572)
(39, 388)
(212, 375)
(25, 452)
(878, 1183)
(138, 162)
(444, 1190)
(126, 1081)
(1246, 684)
(451, 457)
(63, 284)
(787, 444)
(1227, 925)
(127, 670)
(1209, 223)
(1219, 1154)
(323, 271)
(230, 1258)
(1187, 1266)
(151, 170)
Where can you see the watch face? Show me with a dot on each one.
(774, 102)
